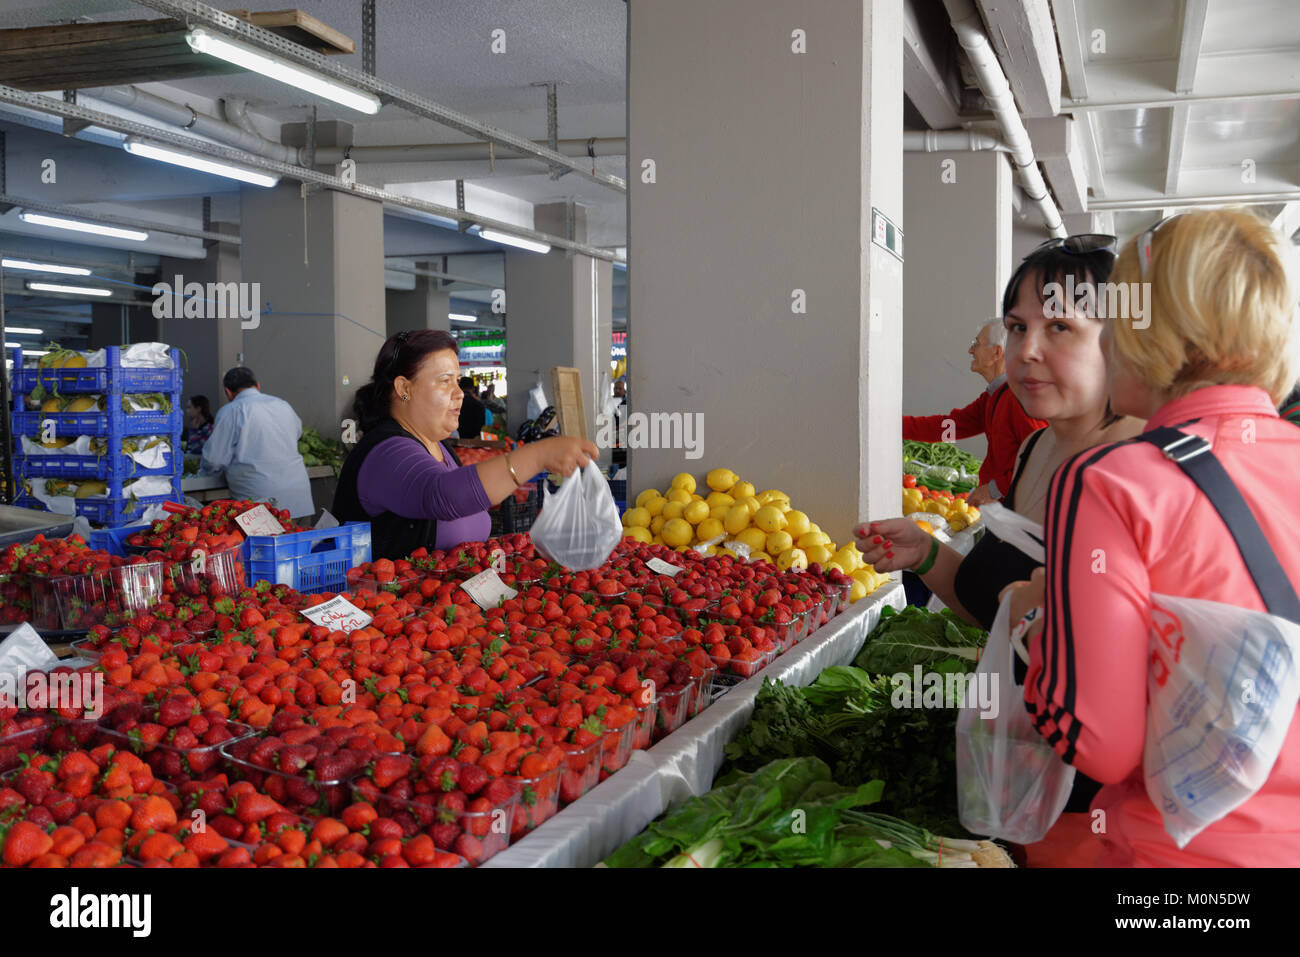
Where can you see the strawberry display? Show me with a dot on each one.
(212, 526)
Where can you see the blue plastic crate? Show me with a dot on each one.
(69, 424)
(107, 511)
(109, 379)
(103, 467)
(311, 561)
(113, 540)
(618, 489)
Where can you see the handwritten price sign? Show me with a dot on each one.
(259, 521)
(663, 568)
(487, 589)
(337, 614)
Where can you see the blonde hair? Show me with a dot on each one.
(1222, 306)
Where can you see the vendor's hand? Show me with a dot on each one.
(981, 496)
(1025, 597)
(892, 544)
(562, 454)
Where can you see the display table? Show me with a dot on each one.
(684, 763)
(210, 488)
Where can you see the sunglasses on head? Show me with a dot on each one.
(1081, 244)
(397, 351)
(1145, 252)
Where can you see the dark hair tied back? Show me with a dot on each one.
(399, 356)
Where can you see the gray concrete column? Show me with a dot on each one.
(959, 243)
(424, 307)
(558, 313)
(320, 264)
(210, 345)
(760, 136)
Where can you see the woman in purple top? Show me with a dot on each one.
(404, 480)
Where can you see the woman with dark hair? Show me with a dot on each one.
(1057, 369)
(198, 422)
(404, 480)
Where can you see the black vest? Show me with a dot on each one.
(391, 536)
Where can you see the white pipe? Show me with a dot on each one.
(969, 28)
(950, 141)
(442, 152)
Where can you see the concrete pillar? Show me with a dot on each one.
(210, 345)
(558, 313)
(424, 307)
(320, 265)
(959, 229)
(756, 295)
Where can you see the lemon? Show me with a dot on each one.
(796, 522)
(769, 519)
(753, 538)
(696, 512)
(772, 495)
(812, 538)
(737, 519)
(779, 541)
(720, 479)
(52, 404)
(684, 480)
(677, 531)
(697, 497)
(818, 553)
(673, 510)
(741, 490)
(933, 506)
(639, 533)
(814, 527)
(719, 512)
(751, 503)
(83, 403)
(760, 557)
(972, 514)
(646, 496)
(655, 506)
(858, 590)
(710, 528)
(792, 558)
(720, 498)
(657, 524)
(956, 522)
(867, 575)
(683, 549)
(827, 566)
(89, 489)
(847, 558)
(657, 540)
(636, 518)
(678, 495)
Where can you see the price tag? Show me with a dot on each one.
(258, 520)
(487, 589)
(337, 614)
(663, 567)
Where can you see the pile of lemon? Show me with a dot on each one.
(734, 519)
(955, 511)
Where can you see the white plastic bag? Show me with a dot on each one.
(1221, 692)
(1010, 783)
(578, 526)
(536, 401)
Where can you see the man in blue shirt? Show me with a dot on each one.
(255, 442)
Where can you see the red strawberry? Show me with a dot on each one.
(390, 768)
(473, 778)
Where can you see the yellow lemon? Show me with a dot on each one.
(779, 541)
(720, 479)
(792, 558)
(867, 575)
(655, 506)
(696, 512)
(814, 527)
(751, 503)
(657, 524)
(52, 404)
(684, 480)
(846, 558)
(697, 497)
(818, 553)
(710, 528)
(741, 490)
(956, 522)
(720, 498)
(677, 531)
(972, 514)
(647, 495)
(639, 533)
(657, 540)
(771, 495)
(753, 538)
(678, 495)
(683, 549)
(827, 566)
(858, 590)
(719, 512)
(769, 519)
(933, 506)
(737, 519)
(796, 522)
(760, 557)
(636, 518)
(673, 510)
(812, 538)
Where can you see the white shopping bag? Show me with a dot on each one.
(1221, 692)
(578, 526)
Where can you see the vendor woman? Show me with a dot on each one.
(404, 480)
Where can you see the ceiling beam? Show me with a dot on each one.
(1089, 131)
(1160, 201)
(1189, 48)
(931, 88)
(1070, 36)
(1057, 147)
(1177, 140)
(1023, 37)
(1127, 85)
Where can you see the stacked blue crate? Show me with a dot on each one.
(114, 468)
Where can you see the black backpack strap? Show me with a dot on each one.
(1192, 454)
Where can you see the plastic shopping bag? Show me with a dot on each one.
(1010, 783)
(1221, 692)
(578, 526)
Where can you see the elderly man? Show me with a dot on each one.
(997, 414)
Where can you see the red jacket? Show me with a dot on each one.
(996, 414)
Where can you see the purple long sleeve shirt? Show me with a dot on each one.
(400, 476)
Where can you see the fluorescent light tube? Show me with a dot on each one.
(81, 226)
(22, 331)
(462, 317)
(138, 147)
(499, 237)
(33, 352)
(75, 290)
(251, 58)
(44, 267)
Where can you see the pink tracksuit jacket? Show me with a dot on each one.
(1127, 505)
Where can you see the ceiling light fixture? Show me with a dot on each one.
(139, 147)
(24, 331)
(251, 58)
(82, 226)
(495, 236)
(462, 317)
(29, 266)
(73, 290)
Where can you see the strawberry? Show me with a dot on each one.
(24, 843)
(253, 807)
(472, 778)
(388, 769)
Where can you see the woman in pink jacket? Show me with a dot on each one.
(1125, 522)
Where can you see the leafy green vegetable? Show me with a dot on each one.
(940, 453)
(915, 636)
(316, 450)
